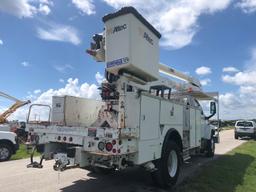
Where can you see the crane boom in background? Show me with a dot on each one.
(18, 103)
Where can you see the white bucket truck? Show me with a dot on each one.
(143, 119)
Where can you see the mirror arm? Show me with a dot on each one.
(210, 116)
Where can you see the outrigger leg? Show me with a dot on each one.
(35, 164)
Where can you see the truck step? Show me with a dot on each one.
(186, 155)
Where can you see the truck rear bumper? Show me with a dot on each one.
(244, 134)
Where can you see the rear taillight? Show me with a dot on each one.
(109, 146)
(114, 142)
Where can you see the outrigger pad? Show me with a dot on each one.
(35, 165)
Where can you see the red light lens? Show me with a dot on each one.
(109, 146)
(91, 52)
(114, 150)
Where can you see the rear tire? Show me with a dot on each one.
(210, 149)
(168, 166)
(236, 137)
(5, 152)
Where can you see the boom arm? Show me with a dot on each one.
(18, 103)
(177, 74)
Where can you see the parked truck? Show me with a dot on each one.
(143, 119)
(8, 145)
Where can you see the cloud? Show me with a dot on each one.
(47, 2)
(245, 96)
(61, 33)
(25, 64)
(37, 91)
(99, 78)
(176, 20)
(25, 8)
(205, 82)
(61, 81)
(245, 77)
(247, 6)
(72, 88)
(203, 70)
(241, 78)
(44, 9)
(230, 69)
(1, 42)
(232, 103)
(85, 6)
(63, 68)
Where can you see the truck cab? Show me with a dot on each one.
(8, 145)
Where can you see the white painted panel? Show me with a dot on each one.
(58, 104)
(132, 110)
(128, 47)
(117, 43)
(198, 128)
(192, 128)
(148, 150)
(149, 118)
(171, 113)
(58, 118)
(76, 111)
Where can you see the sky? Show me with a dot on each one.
(43, 43)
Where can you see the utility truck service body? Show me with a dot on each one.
(143, 118)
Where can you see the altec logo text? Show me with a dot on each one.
(115, 29)
(145, 36)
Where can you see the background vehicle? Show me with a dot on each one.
(13, 126)
(143, 119)
(8, 145)
(245, 129)
(18, 103)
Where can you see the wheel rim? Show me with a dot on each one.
(4, 153)
(172, 163)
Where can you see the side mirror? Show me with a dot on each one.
(213, 108)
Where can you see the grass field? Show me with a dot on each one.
(22, 153)
(232, 172)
